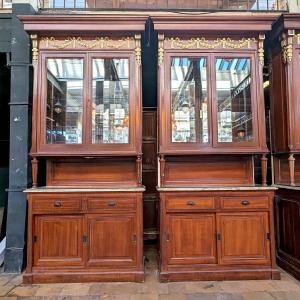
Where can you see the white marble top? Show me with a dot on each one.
(83, 190)
(287, 187)
(217, 188)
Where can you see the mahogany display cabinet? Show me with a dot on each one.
(86, 223)
(284, 57)
(216, 222)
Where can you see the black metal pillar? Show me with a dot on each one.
(20, 116)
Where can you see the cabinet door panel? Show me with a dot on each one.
(244, 238)
(112, 240)
(58, 240)
(191, 239)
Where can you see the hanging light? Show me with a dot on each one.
(241, 132)
(58, 107)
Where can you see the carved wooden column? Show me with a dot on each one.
(292, 169)
(139, 170)
(264, 165)
(162, 163)
(34, 165)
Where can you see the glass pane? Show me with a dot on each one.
(110, 116)
(189, 100)
(233, 95)
(64, 100)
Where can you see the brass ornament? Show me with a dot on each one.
(261, 50)
(138, 49)
(98, 42)
(160, 55)
(35, 49)
(287, 46)
(201, 42)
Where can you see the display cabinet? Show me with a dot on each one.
(86, 223)
(285, 69)
(284, 57)
(216, 220)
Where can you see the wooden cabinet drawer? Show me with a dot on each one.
(56, 204)
(111, 204)
(189, 203)
(258, 202)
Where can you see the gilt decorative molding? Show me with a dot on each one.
(76, 42)
(161, 39)
(138, 49)
(35, 49)
(201, 42)
(261, 50)
(287, 46)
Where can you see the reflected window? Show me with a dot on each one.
(233, 96)
(110, 113)
(189, 100)
(64, 101)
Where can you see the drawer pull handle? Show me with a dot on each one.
(245, 202)
(57, 204)
(190, 203)
(111, 203)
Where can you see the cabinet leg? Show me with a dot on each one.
(34, 166)
(292, 169)
(264, 165)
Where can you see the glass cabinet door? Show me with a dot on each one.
(233, 100)
(189, 107)
(110, 101)
(64, 101)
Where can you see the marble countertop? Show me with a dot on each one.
(217, 188)
(83, 190)
(287, 187)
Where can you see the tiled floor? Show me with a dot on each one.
(286, 289)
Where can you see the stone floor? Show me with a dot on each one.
(288, 288)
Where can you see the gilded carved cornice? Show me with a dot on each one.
(286, 42)
(222, 43)
(88, 44)
(202, 43)
(78, 42)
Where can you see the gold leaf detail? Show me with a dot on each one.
(35, 49)
(98, 42)
(138, 49)
(201, 42)
(160, 48)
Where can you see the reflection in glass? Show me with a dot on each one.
(233, 96)
(64, 101)
(110, 114)
(189, 100)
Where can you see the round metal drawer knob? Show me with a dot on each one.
(111, 203)
(245, 202)
(191, 203)
(57, 204)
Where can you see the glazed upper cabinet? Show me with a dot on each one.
(284, 59)
(211, 97)
(88, 96)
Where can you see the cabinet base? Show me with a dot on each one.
(289, 267)
(219, 275)
(29, 278)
